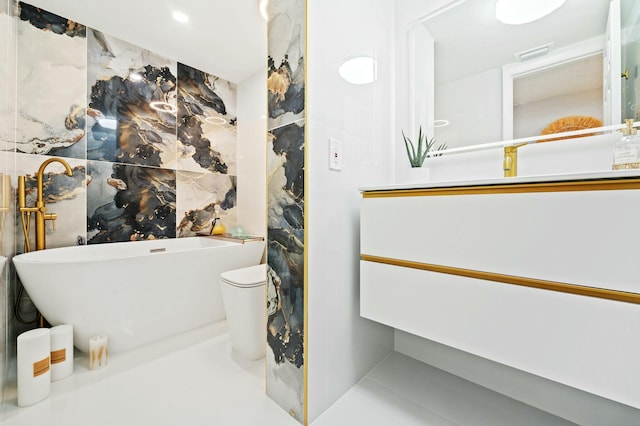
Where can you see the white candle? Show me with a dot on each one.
(98, 351)
(61, 351)
(34, 373)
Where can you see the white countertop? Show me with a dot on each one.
(609, 174)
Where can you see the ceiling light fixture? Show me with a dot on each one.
(180, 16)
(358, 70)
(516, 12)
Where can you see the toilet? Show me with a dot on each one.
(245, 302)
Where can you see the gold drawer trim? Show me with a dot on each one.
(601, 293)
(518, 188)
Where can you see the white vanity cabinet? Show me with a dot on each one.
(540, 276)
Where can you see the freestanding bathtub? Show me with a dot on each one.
(135, 292)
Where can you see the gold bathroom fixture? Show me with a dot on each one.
(625, 74)
(40, 209)
(510, 162)
(6, 205)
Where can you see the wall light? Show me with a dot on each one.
(516, 12)
(180, 16)
(263, 5)
(358, 70)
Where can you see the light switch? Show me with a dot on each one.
(335, 154)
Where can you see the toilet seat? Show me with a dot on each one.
(253, 276)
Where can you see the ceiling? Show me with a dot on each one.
(227, 38)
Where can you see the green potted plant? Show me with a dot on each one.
(417, 154)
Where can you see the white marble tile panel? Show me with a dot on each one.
(51, 83)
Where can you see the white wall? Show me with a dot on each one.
(342, 346)
(251, 154)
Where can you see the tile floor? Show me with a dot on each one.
(160, 384)
(403, 391)
(195, 379)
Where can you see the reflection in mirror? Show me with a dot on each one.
(557, 65)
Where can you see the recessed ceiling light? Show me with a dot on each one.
(516, 12)
(180, 16)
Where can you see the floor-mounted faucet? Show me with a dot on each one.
(40, 209)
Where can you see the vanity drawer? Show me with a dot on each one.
(588, 343)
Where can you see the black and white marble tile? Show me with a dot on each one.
(198, 194)
(130, 203)
(51, 76)
(207, 119)
(286, 70)
(63, 195)
(7, 79)
(131, 115)
(285, 258)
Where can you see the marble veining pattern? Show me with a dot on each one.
(51, 71)
(207, 120)
(129, 203)
(286, 73)
(198, 193)
(285, 204)
(132, 103)
(7, 80)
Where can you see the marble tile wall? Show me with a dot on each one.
(152, 142)
(7, 166)
(285, 198)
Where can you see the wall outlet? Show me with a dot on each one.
(335, 154)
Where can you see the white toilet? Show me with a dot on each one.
(245, 302)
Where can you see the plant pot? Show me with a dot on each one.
(414, 175)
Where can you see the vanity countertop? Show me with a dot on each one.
(609, 174)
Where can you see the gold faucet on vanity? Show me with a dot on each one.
(40, 209)
(510, 162)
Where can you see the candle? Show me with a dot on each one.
(34, 374)
(61, 351)
(98, 352)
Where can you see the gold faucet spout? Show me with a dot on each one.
(43, 166)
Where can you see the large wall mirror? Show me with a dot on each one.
(478, 80)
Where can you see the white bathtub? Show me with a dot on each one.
(134, 292)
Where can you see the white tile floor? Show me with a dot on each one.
(200, 384)
(196, 380)
(403, 391)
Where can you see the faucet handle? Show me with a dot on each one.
(52, 217)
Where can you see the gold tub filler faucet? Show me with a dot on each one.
(40, 209)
